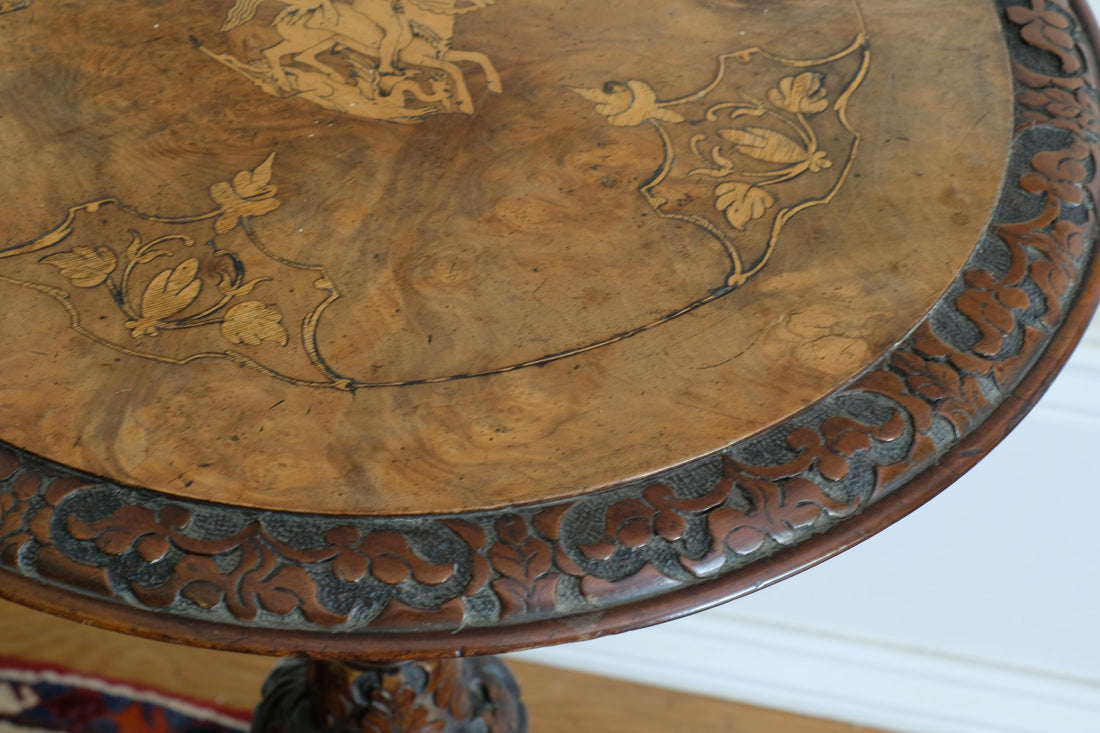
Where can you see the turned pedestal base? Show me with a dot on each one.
(438, 696)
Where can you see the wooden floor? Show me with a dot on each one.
(557, 701)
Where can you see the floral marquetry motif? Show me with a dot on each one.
(616, 330)
(748, 145)
(164, 276)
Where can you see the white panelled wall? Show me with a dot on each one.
(979, 613)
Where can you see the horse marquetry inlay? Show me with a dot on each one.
(386, 61)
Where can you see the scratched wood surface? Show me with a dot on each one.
(282, 255)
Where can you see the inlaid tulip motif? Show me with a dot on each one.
(128, 279)
(748, 151)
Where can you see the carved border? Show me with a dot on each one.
(636, 554)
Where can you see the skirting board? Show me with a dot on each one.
(849, 680)
(976, 632)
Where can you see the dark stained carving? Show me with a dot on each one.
(440, 696)
(524, 563)
(1048, 26)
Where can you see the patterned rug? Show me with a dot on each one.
(36, 698)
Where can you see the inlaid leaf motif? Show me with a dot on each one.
(742, 203)
(231, 275)
(51, 238)
(627, 105)
(252, 323)
(250, 194)
(142, 253)
(85, 267)
(766, 145)
(803, 94)
(256, 182)
(171, 291)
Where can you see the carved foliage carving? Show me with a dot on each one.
(440, 696)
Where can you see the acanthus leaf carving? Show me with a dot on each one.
(1046, 26)
(526, 581)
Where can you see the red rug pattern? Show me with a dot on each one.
(37, 698)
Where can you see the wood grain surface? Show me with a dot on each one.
(243, 264)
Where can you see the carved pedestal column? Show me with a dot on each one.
(438, 696)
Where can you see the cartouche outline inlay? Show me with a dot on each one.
(729, 154)
(182, 278)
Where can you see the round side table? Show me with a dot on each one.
(388, 336)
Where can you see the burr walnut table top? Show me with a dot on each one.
(345, 324)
